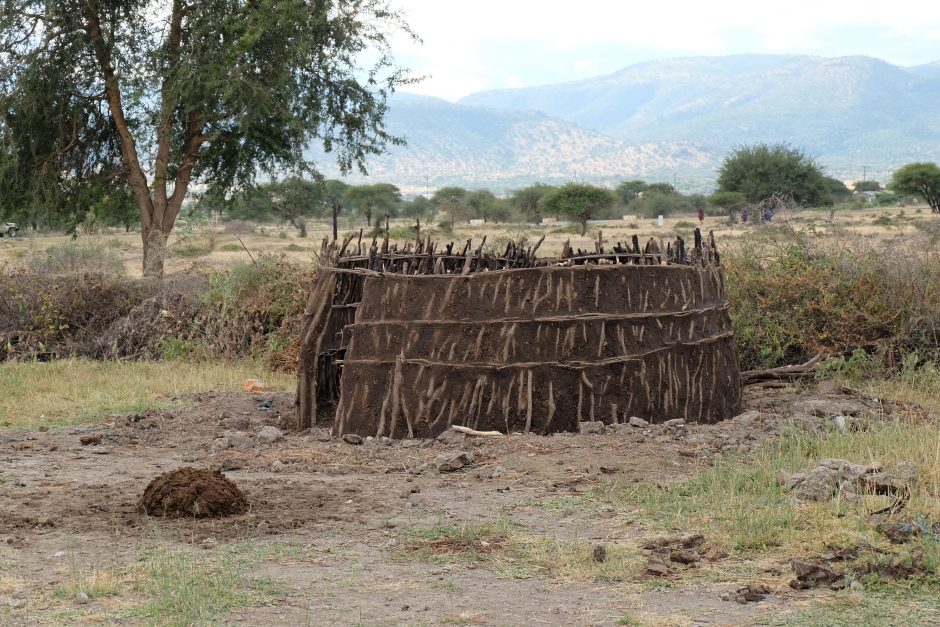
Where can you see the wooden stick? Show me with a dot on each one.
(470, 431)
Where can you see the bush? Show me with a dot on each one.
(791, 300)
(74, 258)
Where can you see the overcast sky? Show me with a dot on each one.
(490, 44)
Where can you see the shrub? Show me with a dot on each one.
(74, 258)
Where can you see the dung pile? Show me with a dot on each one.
(192, 492)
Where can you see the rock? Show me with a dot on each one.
(657, 568)
(317, 434)
(450, 461)
(189, 457)
(882, 483)
(748, 594)
(675, 422)
(788, 480)
(497, 472)
(748, 418)
(591, 428)
(277, 466)
(231, 463)
(638, 422)
(452, 438)
(101, 450)
(20, 593)
(270, 435)
(600, 552)
(239, 423)
(81, 598)
(820, 484)
(238, 439)
(827, 408)
(815, 574)
(91, 439)
(16, 604)
(905, 471)
(684, 556)
(352, 438)
(221, 444)
(849, 470)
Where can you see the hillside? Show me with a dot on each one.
(479, 146)
(847, 111)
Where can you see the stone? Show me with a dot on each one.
(221, 444)
(820, 484)
(497, 472)
(238, 439)
(270, 435)
(16, 604)
(352, 438)
(748, 418)
(790, 480)
(81, 598)
(239, 423)
(101, 450)
(600, 552)
(638, 422)
(827, 408)
(591, 428)
(20, 593)
(317, 434)
(849, 470)
(91, 439)
(675, 422)
(815, 574)
(452, 438)
(450, 461)
(905, 471)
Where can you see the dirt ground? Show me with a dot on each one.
(68, 507)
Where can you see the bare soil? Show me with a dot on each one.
(347, 505)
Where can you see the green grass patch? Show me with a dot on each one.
(70, 391)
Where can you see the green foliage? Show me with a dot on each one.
(837, 190)
(577, 201)
(794, 301)
(866, 186)
(919, 179)
(654, 203)
(379, 199)
(526, 201)
(627, 191)
(452, 201)
(762, 170)
(213, 92)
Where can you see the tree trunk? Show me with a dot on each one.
(154, 241)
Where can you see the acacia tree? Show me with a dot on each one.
(578, 201)
(382, 198)
(762, 170)
(159, 94)
(919, 179)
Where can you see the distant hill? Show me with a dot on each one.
(670, 118)
(477, 146)
(847, 111)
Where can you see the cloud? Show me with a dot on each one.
(501, 43)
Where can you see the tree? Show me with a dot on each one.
(627, 191)
(453, 202)
(416, 207)
(332, 192)
(760, 171)
(380, 198)
(161, 94)
(578, 201)
(837, 190)
(919, 179)
(665, 189)
(729, 201)
(526, 200)
(867, 186)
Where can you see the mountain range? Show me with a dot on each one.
(672, 119)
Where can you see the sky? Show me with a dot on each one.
(473, 45)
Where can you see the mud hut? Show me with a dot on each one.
(406, 343)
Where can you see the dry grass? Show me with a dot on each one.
(77, 390)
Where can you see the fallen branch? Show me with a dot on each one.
(783, 372)
(470, 431)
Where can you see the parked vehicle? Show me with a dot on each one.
(8, 229)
